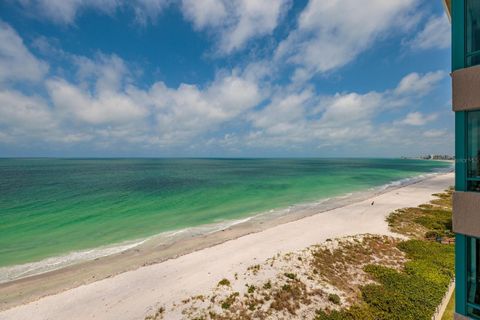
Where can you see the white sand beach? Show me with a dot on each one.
(137, 293)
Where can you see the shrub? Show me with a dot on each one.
(267, 285)
(157, 316)
(334, 298)
(290, 275)
(290, 296)
(254, 269)
(224, 282)
(227, 303)
(414, 292)
(356, 312)
(432, 235)
(334, 315)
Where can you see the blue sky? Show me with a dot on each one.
(236, 78)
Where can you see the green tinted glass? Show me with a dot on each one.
(472, 32)
(473, 277)
(473, 149)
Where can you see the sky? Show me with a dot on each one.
(224, 78)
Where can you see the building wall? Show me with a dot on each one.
(464, 222)
(466, 205)
(466, 89)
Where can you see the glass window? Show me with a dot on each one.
(473, 149)
(472, 32)
(473, 311)
(473, 277)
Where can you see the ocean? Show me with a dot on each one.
(55, 207)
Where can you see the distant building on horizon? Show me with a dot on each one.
(465, 18)
(437, 157)
(433, 157)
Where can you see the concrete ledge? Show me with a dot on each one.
(466, 213)
(457, 316)
(466, 89)
(438, 315)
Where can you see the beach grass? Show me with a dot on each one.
(415, 291)
(359, 277)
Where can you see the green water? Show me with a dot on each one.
(50, 207)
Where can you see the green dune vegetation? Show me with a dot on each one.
(415, 291)
(355, 278)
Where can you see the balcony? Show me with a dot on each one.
(466, 93)
(466, 215)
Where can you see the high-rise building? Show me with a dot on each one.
(465, 19)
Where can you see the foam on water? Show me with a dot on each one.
(9, 273)
(55, 263)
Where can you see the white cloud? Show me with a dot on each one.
(436, 34)
(297, 119)
(123, 112)
(66, 11)
(24, 119)
(343, 119)
(102, 104)
(435, 133)
(203, 14)
(187, 111)
(284, 115)
(418, 119)
(332, 33)
(106, 101)
(16, 61)
(164, 116)
(148, 10)
(231, 23)
(106, 72)
(104, 107)
(24, 112)
(351, 107)
(235, 22)
(415, 83)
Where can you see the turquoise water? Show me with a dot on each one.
(50, 207)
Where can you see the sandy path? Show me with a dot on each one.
(134, 294)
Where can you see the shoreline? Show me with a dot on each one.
(152, 254)
(166, 239)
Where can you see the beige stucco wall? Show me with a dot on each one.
(466, 213)
(466, 89)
